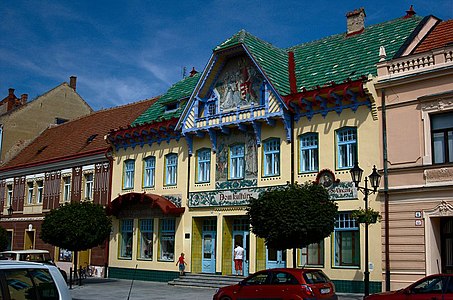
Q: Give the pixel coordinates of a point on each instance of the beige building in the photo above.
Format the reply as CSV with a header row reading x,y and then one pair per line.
x,y
416,111
22,121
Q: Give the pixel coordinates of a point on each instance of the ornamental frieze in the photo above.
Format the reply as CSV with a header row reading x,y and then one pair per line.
x,y
439,175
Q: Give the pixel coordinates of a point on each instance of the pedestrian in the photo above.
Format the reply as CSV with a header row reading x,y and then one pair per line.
x,y
238,257
182,264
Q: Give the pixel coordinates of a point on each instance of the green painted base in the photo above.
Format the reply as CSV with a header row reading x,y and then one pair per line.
x,y
346,286
138,274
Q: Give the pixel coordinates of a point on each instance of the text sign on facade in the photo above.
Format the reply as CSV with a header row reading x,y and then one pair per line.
x,y
343,191
239,196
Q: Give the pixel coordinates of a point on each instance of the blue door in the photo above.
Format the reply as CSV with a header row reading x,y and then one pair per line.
x,y
242,238
208,261
275,258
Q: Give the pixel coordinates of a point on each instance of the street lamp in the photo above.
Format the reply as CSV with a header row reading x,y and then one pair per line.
x,y
356,174
10,210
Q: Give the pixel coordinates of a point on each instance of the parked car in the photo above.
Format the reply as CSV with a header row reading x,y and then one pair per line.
x,y
33,255
282,283
433,287
28,280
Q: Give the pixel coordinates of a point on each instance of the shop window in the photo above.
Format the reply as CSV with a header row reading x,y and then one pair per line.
x,y
66,189
128,174
308,153
271,153
30,190
312,255
442,138
64,255
346,147
127,230
40,188
146,239
149,171
346,241
203,165
89,183
171,168
167,239
237,161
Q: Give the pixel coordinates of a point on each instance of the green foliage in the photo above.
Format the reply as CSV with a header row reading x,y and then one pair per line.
x,y
76,226
293,217
3,239
369,215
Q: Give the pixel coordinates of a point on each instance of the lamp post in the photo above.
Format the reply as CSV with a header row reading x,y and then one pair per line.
x,y
374,177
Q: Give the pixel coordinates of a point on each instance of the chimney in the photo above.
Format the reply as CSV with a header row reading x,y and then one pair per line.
x,y
10,92
73,82
23,98
355,21
193,72
410,13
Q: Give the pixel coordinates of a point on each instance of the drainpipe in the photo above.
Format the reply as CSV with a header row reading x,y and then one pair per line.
x,y
292,176
109,156
386,194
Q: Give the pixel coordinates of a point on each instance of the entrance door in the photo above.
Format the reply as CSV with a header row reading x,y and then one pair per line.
x,y
446,225
29,242
208,244
275,258
242,238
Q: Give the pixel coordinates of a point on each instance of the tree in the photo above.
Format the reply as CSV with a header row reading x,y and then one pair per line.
x,y
293,217
3,239
76,227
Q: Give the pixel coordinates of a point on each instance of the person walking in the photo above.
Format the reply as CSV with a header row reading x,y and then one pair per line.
x,y
182,264
238,258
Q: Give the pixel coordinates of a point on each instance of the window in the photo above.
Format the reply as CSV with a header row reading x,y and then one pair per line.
x,y
313,254
150,171
9,195
212,108
204,165
146,239
347,147
308,153
9,238
346,241
40,191
171,165
1,138
66,189
30,192
127,228
167,239
28,284
128,176
171,107
89,186
271,149
442,138
237,163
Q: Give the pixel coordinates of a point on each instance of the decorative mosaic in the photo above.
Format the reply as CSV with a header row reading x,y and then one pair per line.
x,y
175,199
235,184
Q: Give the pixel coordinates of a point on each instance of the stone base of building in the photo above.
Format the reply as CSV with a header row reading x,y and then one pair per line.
x,y
141,274
356,287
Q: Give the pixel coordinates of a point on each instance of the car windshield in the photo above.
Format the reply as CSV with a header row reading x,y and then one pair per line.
x,y
36,257
313,277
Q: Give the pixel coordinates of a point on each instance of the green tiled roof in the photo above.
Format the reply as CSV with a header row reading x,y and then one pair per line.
x,y
272,60
339,57
180,91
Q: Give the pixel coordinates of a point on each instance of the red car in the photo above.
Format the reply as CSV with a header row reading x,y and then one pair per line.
x,y
283,283
433,287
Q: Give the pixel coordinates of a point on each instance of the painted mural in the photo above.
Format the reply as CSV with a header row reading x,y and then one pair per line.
x,y
239,84
224,142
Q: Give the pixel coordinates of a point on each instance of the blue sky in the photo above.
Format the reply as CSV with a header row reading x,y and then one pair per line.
x,y
124,51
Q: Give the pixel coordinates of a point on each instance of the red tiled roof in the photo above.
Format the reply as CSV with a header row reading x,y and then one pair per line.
x,y
438,38
80,137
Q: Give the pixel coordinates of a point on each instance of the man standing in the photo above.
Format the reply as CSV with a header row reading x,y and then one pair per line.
x,y
238,257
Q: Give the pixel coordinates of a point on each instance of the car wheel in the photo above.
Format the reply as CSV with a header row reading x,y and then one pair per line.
x,y
225,298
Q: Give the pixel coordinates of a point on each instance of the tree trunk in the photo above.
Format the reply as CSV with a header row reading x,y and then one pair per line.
x,y
294,257
76,268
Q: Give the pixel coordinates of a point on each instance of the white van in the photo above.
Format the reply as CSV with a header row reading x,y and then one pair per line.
x,y
28,280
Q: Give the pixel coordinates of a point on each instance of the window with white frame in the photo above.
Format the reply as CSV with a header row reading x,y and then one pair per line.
x,y
1,138
308,153
203,165
313,254
237,161
9,195
171,168
346,147
146,239
126,239
128,174
167,239
66,189
346,241
149,172
442,137
30,190
40,188
89,183
271,157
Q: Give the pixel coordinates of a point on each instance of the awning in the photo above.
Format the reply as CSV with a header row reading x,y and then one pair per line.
x,y
150,200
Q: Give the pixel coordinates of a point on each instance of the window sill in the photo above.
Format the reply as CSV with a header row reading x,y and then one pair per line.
x,y
125,258
165,260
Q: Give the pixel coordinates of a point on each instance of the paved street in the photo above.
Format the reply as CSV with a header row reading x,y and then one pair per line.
x,y
99,288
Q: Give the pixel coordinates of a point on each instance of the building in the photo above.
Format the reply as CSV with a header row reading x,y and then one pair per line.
x,y
415,102
69,162
22,121
256,118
